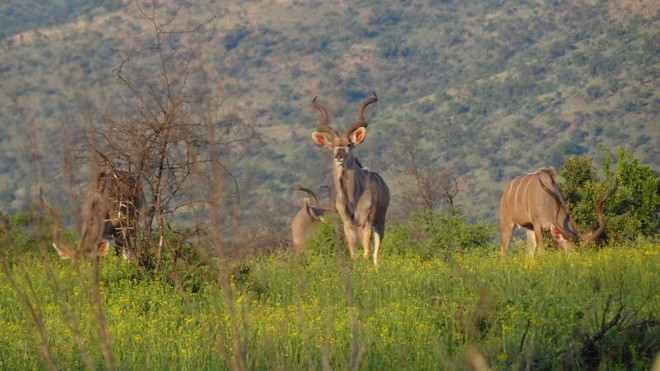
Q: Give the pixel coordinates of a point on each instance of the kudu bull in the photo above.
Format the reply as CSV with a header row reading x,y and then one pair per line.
x,y
110,210
307,219
362,197
533,201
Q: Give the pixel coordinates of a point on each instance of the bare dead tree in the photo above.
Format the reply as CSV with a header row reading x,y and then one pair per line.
x,y
179,143
424,186
163,137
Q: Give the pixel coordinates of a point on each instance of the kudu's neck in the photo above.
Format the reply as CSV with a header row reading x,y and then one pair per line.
x,y
349,182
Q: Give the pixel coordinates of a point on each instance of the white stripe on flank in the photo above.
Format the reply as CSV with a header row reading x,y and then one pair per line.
x,y
511,186
515,200
525,198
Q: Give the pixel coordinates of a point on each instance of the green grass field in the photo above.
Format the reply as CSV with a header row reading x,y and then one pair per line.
x,y
587,310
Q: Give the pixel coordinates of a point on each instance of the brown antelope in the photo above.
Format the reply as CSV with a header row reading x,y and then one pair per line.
x,y
362,197
110,209
533,201
307,219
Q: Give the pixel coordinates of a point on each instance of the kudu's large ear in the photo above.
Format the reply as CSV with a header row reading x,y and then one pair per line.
x,y
358,136
321,140
314,212
554,231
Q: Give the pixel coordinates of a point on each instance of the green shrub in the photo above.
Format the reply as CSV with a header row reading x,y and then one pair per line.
x,y
27,231
431,234
326,237
641,196
634,210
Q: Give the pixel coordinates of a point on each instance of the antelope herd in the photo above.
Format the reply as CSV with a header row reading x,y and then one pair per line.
x,y
361,198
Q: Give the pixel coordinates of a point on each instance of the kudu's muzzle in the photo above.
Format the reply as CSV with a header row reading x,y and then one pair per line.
x,y
341,153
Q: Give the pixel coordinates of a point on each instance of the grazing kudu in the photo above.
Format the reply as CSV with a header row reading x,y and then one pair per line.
x,y
362,197
110,209
533,201
306,220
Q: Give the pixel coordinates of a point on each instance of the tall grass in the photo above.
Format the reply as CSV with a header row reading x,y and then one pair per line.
x,y
594,308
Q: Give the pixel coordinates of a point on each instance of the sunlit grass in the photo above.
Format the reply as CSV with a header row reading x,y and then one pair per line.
x,y
409,313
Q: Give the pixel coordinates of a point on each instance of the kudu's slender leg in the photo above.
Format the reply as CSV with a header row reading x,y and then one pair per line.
x,y
531,242
538,231
377,239
366,239
351,238
379,233
505,232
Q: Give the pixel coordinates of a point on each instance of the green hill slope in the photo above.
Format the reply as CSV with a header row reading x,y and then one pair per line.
x,y
483,89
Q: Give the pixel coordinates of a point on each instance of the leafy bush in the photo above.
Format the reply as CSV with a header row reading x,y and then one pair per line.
x,y
432,234
25,231
634,210
327,235
642,199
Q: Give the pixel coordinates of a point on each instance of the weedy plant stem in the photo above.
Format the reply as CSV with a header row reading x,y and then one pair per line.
x,y
350,299
27,296
237,361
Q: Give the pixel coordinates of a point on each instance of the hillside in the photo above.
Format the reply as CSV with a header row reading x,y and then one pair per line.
x,y
484,90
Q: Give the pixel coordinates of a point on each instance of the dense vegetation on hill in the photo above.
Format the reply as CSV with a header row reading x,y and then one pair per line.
x,y
17,16
484,90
